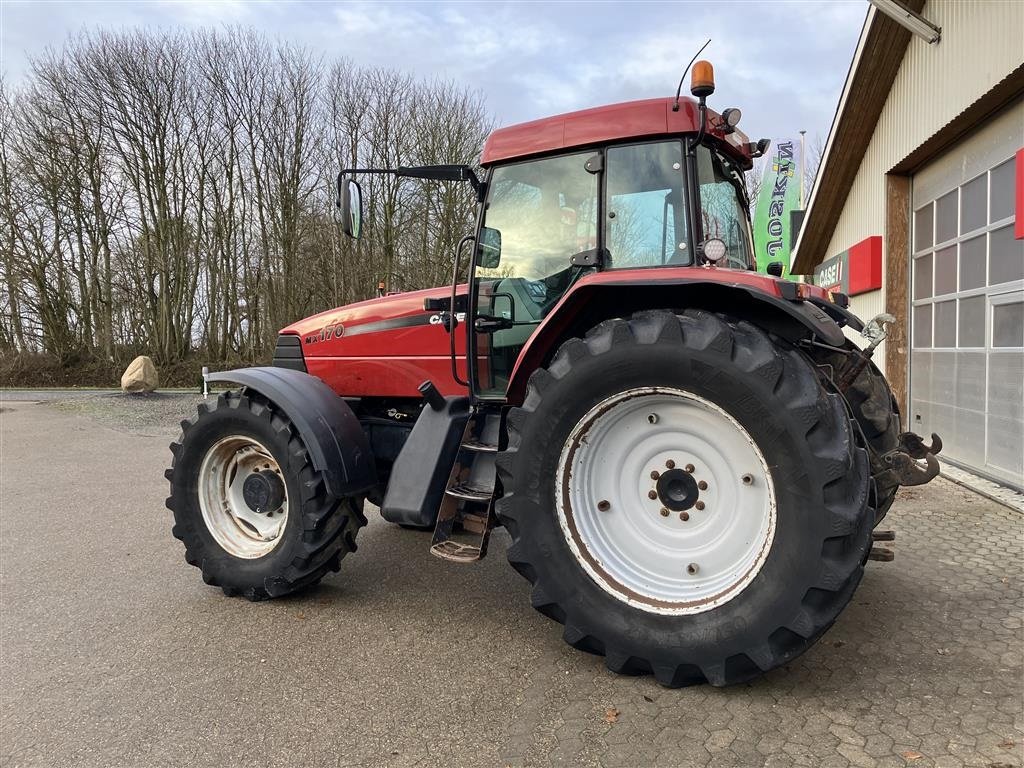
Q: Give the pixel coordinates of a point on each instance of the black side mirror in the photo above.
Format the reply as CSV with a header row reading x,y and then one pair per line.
x,y
351,202
489,248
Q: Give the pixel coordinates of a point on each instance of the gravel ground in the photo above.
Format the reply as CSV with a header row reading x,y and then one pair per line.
x,y
157,413
114,653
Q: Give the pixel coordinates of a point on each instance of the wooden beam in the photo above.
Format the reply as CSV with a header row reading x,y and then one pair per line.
x,y
897,286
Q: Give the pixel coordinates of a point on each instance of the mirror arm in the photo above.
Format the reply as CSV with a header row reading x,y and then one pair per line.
x,y
435,172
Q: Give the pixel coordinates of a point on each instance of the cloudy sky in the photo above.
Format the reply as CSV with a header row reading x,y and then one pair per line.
x,y
782,62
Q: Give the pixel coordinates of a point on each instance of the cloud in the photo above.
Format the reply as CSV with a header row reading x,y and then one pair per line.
x,y
783,63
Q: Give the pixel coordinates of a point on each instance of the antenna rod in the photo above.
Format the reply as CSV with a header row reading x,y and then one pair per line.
x,y
679,90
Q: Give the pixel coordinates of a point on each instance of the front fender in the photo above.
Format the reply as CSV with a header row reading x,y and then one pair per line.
x,y
330,430
744,295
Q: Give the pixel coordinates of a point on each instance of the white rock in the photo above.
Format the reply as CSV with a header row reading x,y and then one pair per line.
x,y
140,376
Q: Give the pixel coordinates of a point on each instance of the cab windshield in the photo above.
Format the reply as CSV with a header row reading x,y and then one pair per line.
x,y
723,201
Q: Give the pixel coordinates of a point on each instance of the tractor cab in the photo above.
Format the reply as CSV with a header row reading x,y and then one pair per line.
x,y
548,222
648,184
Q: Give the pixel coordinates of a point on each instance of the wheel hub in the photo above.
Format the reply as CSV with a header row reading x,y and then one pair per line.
x,y
243,497
677,490
665,500
263,491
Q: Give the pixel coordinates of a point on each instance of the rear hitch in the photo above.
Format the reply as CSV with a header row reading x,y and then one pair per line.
x,y
905,462
914,445
907,469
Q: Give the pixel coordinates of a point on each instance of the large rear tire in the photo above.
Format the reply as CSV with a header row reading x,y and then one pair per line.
x,y
654,415
253,514
877,414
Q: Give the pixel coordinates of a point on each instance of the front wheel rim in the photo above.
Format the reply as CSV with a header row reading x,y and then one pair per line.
x,y
240,529
665,500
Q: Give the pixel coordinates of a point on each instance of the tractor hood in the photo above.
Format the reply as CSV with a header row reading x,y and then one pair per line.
x,y
381,347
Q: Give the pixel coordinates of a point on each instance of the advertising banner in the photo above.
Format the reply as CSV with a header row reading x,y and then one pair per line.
x,y
778,197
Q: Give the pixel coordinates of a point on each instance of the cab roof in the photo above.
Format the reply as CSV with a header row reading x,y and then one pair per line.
x,y
647,118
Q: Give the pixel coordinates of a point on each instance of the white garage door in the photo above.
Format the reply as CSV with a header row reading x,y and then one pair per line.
x,y
967,297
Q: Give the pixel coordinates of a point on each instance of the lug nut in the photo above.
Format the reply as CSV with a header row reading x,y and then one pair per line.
x,y
652,418
652,495
748,479
655,475
692,568
690,468
664,512
604,505
702,485
699,505
670,464
684,516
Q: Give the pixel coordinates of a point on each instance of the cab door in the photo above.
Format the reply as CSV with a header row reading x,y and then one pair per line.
x,y
537,216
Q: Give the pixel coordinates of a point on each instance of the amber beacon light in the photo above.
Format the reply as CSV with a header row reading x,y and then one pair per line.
x,y
702,81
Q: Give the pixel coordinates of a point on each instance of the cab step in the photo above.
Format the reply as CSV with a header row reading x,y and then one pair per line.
x,y
475,445
470,493
456,552
466,514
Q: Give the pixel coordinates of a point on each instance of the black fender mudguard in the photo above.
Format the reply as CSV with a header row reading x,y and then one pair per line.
x,y
337,445
619,295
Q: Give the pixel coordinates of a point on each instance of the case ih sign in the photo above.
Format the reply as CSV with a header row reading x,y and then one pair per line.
x,y
857,270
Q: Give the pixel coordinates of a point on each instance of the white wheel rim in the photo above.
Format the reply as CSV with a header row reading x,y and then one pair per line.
x,y
238,529
620,536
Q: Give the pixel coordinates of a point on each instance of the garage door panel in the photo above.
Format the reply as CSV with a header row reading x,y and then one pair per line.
x,y
943,421
945,324
921,416
973,204
1002,196
970,381
1006,257
971,322
1004,446
945,218
1006,385
970,432
921,364
943,376
945,270
973,270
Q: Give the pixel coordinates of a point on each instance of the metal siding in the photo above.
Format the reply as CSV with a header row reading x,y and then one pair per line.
x,y
981,44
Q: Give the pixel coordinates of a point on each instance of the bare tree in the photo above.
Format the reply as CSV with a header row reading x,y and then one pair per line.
x,y
173,192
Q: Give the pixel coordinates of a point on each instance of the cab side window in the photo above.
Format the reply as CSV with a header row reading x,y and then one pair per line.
x,y
645,221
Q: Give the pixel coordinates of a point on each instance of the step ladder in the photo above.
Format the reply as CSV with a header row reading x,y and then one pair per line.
x,y
466,516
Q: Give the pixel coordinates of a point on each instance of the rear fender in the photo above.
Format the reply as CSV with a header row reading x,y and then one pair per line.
x,y
337,445
591,302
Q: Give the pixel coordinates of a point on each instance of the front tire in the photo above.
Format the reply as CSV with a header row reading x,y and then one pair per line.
x,y
786,525
254,515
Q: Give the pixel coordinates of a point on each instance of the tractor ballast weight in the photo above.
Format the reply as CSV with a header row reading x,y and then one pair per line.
x,y
689,457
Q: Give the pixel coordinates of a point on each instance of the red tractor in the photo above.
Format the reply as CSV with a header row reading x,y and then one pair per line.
x,y
690,457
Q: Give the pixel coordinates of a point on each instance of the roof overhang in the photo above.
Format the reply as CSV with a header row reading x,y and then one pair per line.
x,y
876,62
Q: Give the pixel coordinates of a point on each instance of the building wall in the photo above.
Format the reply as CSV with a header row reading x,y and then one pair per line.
x,y
981,44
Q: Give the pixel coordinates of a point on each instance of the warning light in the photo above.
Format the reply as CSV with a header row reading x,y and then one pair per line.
x,y
702,81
